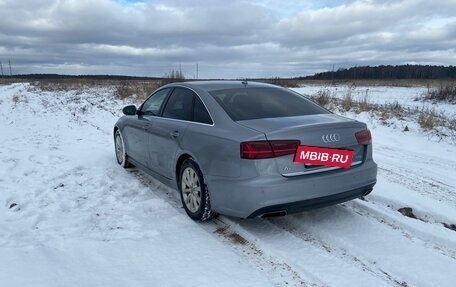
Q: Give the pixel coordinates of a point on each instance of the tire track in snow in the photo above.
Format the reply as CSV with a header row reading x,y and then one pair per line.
x,y
419,183
339,252
351,236
243,238
290,228
264,261
400,166
391,217
410,156
246,238
310,254
268,258
277,270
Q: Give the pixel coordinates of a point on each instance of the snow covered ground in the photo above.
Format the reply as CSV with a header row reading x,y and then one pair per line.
x,y
70,216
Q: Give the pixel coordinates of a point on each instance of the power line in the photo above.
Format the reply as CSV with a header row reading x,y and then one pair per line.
x,y
9,62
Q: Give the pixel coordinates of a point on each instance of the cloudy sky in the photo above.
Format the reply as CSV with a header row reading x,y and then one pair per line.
x,y
227,39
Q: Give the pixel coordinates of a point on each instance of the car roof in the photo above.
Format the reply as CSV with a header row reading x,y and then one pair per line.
x,y
222,84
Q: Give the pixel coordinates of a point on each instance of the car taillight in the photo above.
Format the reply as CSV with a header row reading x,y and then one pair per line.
x,y
268,149
364,137
284,147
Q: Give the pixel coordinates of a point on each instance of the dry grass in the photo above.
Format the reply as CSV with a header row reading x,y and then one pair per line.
x,y
347,101
9,80
142,89
446,92
288,83
138,89
395,109
19,98
16,99
323,98
61,85
378,82
364,104
122,88
428,119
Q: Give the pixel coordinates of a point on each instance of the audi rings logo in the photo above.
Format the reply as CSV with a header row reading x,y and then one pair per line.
x,y
330,138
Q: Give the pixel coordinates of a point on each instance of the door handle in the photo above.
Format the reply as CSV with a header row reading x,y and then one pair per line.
x,y
146,127
174,134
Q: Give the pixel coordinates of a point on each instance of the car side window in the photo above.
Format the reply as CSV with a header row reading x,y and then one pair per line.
x,y
151,106
200,113
180,105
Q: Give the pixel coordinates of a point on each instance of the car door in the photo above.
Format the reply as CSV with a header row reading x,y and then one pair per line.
x,y
167,132
137,130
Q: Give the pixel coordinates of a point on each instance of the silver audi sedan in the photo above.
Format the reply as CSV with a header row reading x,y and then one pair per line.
x,y
229,148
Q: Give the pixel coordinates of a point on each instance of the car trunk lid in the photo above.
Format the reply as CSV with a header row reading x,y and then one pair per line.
x,y
322,130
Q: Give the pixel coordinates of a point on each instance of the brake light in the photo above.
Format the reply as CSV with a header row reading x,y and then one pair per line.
x,y
284,147
268,149
364,137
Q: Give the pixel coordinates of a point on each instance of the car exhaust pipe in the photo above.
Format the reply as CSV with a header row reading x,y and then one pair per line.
x,y
274,214
366,192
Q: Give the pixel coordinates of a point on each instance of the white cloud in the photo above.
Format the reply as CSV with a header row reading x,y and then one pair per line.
x,y
227,38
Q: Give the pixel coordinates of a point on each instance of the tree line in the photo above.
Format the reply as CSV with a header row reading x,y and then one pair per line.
x,y
389,72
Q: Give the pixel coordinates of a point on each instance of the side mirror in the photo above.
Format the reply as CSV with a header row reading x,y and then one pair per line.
x,y
129,110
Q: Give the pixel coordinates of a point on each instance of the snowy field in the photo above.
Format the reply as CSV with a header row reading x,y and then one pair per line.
x,y
407,97
70,216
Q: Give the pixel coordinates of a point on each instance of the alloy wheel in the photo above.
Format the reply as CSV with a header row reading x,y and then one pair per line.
x,y
191,189
119,149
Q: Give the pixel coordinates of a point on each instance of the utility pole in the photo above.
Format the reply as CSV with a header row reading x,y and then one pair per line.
x,y
180,72
1,67
9,62
197,71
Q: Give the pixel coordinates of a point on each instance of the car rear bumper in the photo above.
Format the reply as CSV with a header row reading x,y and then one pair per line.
x,y
313,203
257,196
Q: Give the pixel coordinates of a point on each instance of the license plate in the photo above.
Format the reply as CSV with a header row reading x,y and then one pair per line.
x,y
313,155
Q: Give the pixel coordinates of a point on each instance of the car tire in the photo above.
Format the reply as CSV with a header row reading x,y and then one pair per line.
x,y
121,155
194,193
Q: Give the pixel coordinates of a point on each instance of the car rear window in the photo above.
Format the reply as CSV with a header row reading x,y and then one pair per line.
x,y
257,103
